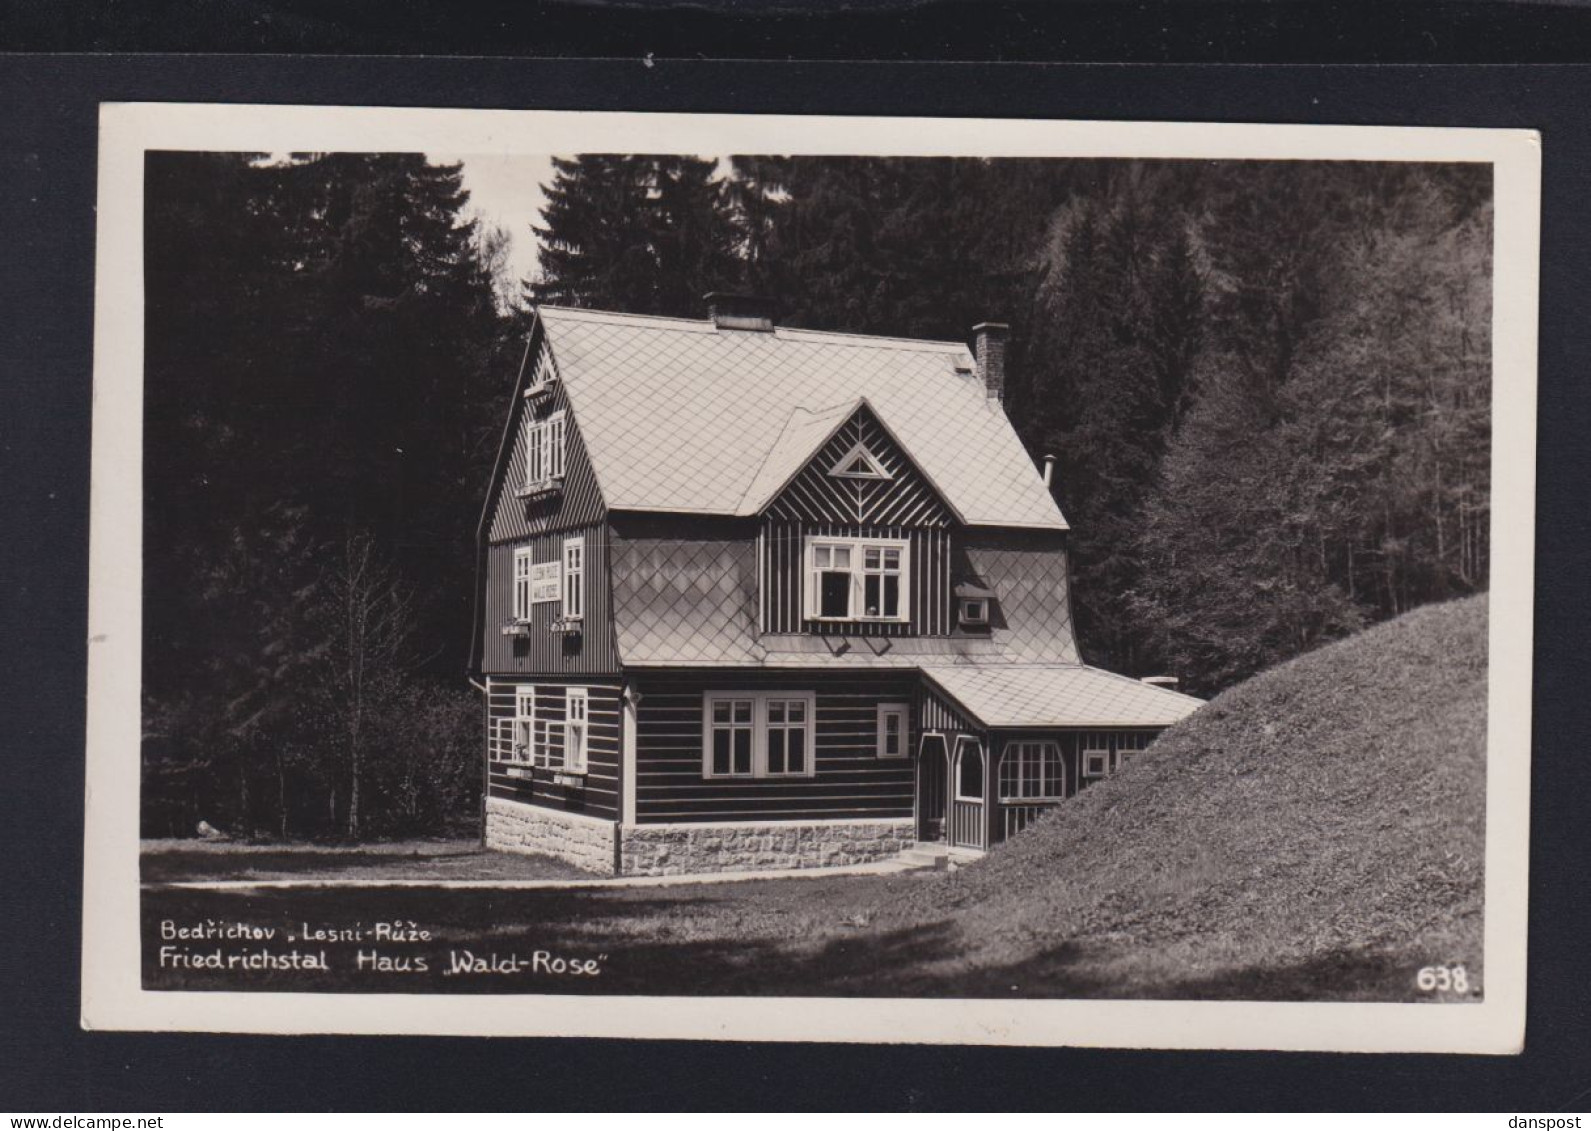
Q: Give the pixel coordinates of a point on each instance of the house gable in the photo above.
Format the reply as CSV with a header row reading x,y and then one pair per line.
x,y
861,475
580,501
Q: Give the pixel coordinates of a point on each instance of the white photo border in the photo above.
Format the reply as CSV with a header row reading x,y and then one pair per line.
x,y
112,994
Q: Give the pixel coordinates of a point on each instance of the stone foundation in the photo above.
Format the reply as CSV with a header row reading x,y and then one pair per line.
x,y
668,850
585,842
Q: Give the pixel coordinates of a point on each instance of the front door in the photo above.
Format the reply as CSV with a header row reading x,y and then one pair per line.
x,y
933,776
968,783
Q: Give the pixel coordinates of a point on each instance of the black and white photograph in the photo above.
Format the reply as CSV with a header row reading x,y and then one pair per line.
x,y
1011,582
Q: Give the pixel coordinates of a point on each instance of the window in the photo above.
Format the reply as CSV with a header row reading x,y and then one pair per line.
x,y
1096,757
787,746
544,450
524,748
731,736
856,579
975,610
969,771
1129,746
1032,771
892,730
522,570
859,463
574,578
576,703
759,734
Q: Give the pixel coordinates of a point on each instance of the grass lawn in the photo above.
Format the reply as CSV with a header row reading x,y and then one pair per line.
x,y
1315,833
172,861
819,936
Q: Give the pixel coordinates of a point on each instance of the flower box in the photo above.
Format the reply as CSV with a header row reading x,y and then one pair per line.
x,y
541,489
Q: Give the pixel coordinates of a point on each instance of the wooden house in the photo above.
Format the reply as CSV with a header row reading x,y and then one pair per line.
x,y
755,597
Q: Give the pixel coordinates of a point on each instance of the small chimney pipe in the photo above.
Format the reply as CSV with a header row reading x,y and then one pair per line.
x,y
988,347
1049,468
740,312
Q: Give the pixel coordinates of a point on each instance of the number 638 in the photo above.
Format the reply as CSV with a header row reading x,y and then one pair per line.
x,y
1443,978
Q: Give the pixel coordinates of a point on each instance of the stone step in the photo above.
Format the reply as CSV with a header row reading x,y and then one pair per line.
x,y
925,858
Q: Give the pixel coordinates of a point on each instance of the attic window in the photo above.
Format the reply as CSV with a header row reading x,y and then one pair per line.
x,y
859,463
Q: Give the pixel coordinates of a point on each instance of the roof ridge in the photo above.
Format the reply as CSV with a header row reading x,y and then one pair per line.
x,y
881,341
673,322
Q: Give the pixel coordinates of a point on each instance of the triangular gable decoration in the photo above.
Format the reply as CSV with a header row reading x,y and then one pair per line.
x,y
859,463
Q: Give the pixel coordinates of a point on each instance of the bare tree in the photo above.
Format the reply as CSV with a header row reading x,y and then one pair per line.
x,y
367,614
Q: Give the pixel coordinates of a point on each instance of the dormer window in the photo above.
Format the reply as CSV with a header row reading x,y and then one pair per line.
x,y
857,579
859,463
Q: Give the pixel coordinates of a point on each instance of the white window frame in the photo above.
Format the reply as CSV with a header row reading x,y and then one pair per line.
x,y
902,712
1140,741
1089,750
875,470
576,729
983,614
759,732
857,548
1048,790
546,456
524,561
522,743
962,746
574,579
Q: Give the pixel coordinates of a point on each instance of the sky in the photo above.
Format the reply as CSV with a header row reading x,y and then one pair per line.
x,y
505,190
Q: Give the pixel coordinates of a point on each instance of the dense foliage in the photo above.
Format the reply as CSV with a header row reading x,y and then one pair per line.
x,y
322,377
1267,385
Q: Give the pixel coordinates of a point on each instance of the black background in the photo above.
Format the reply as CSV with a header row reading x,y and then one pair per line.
x,y
48,114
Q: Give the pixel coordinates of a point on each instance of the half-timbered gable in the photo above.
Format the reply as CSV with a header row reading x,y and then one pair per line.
x,y
860,476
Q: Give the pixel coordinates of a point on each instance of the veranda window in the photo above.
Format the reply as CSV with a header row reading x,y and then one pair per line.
x,y
1032,771
1095,757
1129,746
857,579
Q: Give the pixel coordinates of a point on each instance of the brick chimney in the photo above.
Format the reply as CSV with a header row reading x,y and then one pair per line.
x,y
988,347
741,312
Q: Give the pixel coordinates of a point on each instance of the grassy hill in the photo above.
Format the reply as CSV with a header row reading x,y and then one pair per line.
x,y
1314,832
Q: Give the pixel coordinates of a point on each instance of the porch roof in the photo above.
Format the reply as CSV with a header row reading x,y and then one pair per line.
x,y
1039,696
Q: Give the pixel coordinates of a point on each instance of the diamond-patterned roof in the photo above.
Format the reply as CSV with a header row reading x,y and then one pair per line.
x,y
680,415
1058,695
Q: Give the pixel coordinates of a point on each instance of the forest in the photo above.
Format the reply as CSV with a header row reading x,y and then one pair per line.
x,y
1267,386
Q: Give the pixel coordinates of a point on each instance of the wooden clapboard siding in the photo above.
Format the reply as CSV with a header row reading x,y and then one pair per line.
x,y
543,652
850,781
598,796
782,571
907,498
580,504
